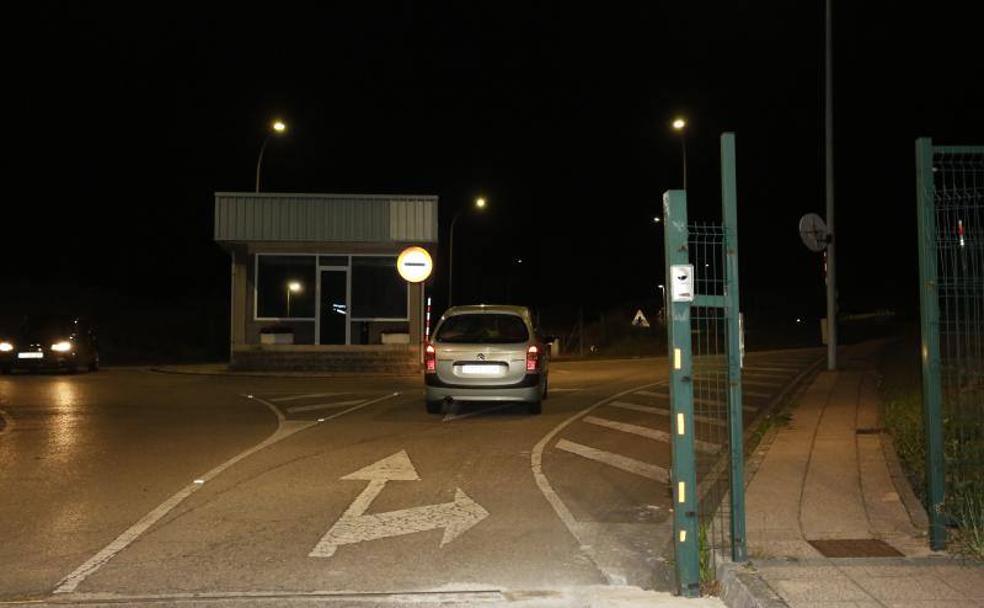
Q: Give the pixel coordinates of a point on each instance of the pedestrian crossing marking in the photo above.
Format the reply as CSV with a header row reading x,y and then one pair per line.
x,y
662,411
645,431
623,463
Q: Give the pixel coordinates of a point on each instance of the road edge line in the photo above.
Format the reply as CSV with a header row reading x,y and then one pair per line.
x,y
284,430
536,465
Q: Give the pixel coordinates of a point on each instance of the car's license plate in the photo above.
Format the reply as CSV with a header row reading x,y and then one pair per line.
x,y
482,370
30,355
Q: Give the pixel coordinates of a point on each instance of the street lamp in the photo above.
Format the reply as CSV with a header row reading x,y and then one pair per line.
x,y
278,127
479,204
292,287
680,125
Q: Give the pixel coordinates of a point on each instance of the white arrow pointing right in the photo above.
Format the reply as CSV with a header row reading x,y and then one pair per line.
x,y
354,526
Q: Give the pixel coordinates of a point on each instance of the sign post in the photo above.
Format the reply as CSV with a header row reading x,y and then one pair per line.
x,y
415,266
678,323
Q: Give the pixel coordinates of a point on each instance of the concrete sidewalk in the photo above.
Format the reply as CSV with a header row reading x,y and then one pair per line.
x,y
829,522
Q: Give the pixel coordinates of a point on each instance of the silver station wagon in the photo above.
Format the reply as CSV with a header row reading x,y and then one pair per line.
x,y
486,353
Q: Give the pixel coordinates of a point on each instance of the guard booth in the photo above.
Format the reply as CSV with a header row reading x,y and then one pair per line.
x,y
314,279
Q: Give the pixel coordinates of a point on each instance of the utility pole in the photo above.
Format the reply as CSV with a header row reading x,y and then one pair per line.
x,y
829,150
580,331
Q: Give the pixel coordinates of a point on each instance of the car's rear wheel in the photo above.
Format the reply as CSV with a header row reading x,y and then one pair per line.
x,y
535,408
435,407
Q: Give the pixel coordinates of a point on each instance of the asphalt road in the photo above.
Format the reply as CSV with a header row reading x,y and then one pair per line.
x,y
130,484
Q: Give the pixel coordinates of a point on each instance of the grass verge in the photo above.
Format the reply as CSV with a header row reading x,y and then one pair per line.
x,y
902,416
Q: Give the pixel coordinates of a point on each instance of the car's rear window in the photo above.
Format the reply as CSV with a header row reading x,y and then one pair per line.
x,y
50,324
483,329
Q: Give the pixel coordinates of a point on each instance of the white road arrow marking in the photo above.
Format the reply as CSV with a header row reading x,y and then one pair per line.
x,y
354,526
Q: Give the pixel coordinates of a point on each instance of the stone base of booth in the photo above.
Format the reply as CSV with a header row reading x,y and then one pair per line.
x,y
376,359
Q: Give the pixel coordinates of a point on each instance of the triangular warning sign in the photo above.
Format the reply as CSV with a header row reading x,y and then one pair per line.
x,y
640,320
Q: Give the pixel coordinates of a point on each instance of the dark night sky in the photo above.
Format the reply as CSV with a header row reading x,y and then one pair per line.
x,y
127,119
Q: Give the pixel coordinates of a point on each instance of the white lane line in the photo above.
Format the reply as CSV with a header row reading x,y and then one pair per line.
x,y
746,373
310,396
747,382
485,410
565,515
744,381
285,428
662,411
633,429
8,422
644,431
624,463
322,406
700,400
758,394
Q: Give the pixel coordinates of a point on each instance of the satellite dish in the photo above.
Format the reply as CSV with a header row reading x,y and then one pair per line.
x,y
813,231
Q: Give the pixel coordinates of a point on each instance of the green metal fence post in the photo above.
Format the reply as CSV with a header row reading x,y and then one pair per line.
x,y
678,323
930,329
729,202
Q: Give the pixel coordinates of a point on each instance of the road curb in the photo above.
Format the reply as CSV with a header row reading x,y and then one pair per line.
x,y
912,504
741,587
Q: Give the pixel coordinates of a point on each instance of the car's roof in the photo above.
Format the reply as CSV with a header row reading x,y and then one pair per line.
x,y
521,311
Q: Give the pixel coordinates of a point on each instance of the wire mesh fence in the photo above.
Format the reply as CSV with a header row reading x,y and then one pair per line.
x,y
706,243
951,222
959,201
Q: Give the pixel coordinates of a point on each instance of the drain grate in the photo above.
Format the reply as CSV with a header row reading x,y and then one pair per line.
x,y
867,431
855,547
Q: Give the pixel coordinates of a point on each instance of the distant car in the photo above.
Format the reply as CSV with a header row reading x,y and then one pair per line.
x,y
50,342
486,353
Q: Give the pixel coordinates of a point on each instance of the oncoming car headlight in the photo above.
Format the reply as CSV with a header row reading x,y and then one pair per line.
x,y
6,347
62,347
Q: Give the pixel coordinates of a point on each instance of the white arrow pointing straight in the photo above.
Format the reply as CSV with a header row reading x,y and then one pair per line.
x,y
354,526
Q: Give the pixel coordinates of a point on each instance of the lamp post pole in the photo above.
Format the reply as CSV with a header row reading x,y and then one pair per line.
x,y
829,158
680,125
451,261
295,287
278,127
479,204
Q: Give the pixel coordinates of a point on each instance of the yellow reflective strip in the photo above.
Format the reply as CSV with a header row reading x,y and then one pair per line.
x,y
683,536
677,359
680,428
682,491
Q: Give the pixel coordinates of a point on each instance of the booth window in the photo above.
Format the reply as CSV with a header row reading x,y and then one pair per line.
x,y
284,281
378,291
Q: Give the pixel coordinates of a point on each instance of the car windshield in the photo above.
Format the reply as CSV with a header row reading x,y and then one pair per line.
x,y
483,329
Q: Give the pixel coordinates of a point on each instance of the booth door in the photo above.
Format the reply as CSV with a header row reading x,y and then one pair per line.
x,y
334,311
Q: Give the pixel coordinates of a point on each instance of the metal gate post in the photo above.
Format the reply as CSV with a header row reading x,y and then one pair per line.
x,y
729,203
684,481
930,330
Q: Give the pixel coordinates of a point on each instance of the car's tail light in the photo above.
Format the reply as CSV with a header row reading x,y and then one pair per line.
x,y
430,360
532,359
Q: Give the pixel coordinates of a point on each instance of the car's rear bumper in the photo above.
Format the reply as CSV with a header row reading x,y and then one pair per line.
x,y
529,389
49,361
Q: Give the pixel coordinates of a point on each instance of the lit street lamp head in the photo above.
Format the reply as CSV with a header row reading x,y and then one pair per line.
x,y
294,287
279,126
480,203
679,124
